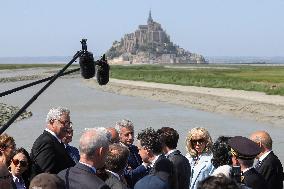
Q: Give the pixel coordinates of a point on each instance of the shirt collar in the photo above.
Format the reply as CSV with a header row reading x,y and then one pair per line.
x,y
93,168
17,179
53,134
154,160
113,173
245,170
264,155
169,152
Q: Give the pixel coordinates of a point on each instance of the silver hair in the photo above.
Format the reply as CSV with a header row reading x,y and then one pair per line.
x,y
55,113
124,123
93,139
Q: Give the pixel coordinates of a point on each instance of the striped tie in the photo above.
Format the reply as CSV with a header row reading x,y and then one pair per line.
x,y
258,164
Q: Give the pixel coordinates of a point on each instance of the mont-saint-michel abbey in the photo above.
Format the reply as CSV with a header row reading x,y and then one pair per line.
x,y
150,44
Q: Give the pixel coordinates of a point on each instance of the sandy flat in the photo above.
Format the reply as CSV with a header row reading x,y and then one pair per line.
x,y
252,105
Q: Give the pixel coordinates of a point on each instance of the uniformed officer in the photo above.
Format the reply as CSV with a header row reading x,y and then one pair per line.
x,y
243,152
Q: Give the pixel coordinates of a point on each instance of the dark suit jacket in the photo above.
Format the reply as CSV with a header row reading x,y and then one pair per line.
x,y
73,153
134,159
159,176
254,180
164,165
49,156
181,170
114,183
132,176
162,161
135,170
152,182
82,177
272,171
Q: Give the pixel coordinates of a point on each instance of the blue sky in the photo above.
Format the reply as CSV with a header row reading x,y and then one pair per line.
x,y
207,27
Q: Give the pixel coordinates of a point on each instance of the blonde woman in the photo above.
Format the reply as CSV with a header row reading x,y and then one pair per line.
x,y
199,145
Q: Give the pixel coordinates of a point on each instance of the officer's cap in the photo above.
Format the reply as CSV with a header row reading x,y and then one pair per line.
x,y
244,148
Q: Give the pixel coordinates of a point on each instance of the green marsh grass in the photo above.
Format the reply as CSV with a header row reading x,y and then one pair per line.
x,y
265,78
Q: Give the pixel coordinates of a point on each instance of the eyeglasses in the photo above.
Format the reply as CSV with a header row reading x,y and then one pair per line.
x,y
17,162
65,123
6,177
199,141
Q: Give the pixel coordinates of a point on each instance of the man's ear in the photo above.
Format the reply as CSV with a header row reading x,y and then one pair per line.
x,y
101,151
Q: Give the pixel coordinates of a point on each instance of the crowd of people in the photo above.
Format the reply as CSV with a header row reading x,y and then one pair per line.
x,y
112,158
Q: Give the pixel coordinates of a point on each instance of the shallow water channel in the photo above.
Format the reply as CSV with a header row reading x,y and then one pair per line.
x,y
91,108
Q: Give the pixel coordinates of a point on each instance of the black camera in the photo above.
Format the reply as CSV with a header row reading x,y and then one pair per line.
x,y
90,68
236,174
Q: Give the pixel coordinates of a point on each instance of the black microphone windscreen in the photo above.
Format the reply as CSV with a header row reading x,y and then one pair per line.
x,y
87,65
102,72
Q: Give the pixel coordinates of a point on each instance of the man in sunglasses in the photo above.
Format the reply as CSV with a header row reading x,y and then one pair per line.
x,y
48,153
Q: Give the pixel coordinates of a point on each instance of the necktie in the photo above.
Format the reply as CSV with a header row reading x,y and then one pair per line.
x,y
258,164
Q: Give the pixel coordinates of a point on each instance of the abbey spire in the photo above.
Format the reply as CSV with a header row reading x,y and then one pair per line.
x,y
150,19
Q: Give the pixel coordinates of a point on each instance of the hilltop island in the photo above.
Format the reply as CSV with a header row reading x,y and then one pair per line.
x,y
150,44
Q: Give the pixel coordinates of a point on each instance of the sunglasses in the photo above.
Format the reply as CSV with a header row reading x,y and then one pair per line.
x,y
17,162
199,141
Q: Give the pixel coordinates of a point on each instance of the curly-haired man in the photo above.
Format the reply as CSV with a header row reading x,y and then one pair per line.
x,y
150,150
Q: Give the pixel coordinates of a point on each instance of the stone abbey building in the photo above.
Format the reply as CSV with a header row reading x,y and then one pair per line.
x,y
150,44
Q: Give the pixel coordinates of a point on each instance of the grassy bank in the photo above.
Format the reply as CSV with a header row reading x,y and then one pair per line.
x,y
265,78
24,66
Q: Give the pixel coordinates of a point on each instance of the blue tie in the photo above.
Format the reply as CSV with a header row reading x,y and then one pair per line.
x,y
258,164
